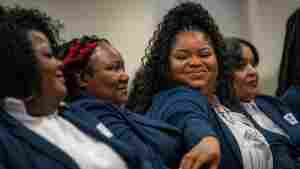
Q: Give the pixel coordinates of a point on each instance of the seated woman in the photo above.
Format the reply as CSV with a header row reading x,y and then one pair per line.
x,y
289,76
180,77
97,83
241,82
33,135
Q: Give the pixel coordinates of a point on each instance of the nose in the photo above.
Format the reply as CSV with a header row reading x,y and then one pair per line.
x,y
58,63
195,60
124,77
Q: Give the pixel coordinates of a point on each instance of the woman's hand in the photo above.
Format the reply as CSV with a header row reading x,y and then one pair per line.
x,y
206,153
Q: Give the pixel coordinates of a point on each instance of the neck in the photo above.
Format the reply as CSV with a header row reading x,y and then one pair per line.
x,y
211,98
41,106
210,94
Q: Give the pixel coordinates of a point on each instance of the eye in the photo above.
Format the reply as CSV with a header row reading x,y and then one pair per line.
x,y
204,52
118,66
109,67
181,55
240,66
115,67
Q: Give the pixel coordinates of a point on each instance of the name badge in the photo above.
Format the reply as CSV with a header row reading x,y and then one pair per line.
x,y
291,119
104,130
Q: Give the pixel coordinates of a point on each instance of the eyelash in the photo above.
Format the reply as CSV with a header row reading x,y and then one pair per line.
x,y
115,67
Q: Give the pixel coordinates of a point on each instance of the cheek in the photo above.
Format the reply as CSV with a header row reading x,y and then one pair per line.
x,y
48,77
238,82
176,70
102,84
213,68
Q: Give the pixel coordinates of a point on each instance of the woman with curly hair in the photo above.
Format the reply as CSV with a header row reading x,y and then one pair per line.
x,y
289,76
33,134
239,92
184,51
180,75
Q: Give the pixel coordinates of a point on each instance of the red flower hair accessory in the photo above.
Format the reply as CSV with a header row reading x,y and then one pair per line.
x,y
78,53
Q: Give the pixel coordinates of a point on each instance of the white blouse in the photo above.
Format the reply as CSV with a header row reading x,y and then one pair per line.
x,y
86,151
254,148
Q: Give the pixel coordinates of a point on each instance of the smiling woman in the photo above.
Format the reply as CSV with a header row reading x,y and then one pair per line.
x,y
269,115
97,81
99,71
109,81
53,82
193,61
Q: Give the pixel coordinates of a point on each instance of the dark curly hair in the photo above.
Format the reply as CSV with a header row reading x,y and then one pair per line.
x,y
19,67
34,19
79,65
233,60
290,62
188,16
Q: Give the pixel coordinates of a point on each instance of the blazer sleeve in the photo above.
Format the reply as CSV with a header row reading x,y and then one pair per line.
x,y
186,109
111,117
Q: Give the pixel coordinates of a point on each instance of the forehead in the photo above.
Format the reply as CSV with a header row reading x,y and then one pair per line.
x,y
191,39
247,53
106,53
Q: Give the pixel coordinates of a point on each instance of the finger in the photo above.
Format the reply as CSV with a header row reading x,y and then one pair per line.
x,y
187,162
215,164
201,161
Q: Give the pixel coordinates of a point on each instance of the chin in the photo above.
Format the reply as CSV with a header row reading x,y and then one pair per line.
x,y
62,92
249,97
122,101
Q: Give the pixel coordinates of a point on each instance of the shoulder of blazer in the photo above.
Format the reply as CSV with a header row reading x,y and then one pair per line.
x,y
272,101
179,95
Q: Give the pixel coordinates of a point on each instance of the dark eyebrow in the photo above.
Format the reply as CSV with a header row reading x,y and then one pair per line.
x,y
182,50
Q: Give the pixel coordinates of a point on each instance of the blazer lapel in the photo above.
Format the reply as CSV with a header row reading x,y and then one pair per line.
x,y
273,111
39,142
226,136
121,148
81,123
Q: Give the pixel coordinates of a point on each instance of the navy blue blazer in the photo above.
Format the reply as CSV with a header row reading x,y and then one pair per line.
x,y
20,148
281,114
155,140
292,98
190,111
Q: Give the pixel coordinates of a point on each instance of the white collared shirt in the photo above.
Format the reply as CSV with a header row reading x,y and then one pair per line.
x,y
86,151
262,119
254,148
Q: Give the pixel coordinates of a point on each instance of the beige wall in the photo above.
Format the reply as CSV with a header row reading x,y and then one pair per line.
x,y
129,24
263,23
